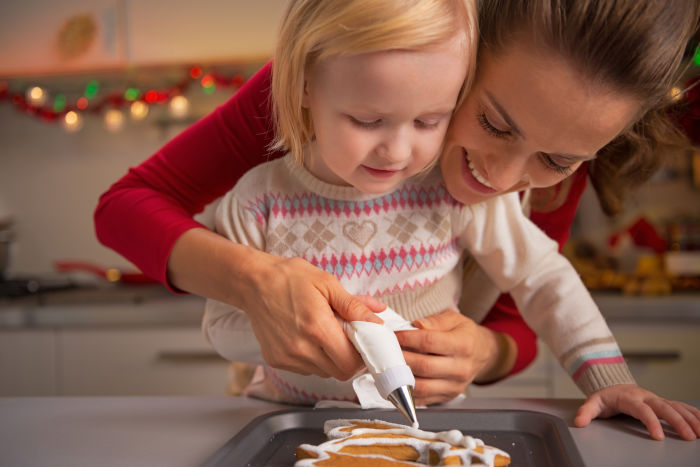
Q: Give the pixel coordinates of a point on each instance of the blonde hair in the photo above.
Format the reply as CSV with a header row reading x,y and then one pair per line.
x,y
315,30
633,46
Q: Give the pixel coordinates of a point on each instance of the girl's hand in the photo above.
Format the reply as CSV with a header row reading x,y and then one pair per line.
x,y
446,354
294,319
643,405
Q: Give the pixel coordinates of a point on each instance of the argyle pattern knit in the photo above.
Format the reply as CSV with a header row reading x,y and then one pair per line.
x,y
406,249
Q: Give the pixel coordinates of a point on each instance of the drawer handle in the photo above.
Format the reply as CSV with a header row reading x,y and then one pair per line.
x,y
189,356
666,356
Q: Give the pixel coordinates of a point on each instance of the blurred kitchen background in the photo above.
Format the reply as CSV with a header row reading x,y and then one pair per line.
x,y
91,88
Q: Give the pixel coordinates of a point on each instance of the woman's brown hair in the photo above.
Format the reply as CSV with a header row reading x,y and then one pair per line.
x,y
634,46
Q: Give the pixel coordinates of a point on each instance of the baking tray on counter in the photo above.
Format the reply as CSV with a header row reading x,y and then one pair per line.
x,y
531,438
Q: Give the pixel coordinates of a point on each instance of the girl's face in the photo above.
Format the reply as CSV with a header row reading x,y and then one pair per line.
x,y
381,117
529,121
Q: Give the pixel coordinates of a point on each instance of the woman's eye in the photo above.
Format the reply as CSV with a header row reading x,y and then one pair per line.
x,y
368,124
492,130
550,163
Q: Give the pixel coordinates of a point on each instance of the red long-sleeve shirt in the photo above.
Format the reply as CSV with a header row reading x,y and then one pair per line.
x,y
145,212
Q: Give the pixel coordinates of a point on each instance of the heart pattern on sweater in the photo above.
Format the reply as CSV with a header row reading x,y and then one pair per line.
x,y
360,234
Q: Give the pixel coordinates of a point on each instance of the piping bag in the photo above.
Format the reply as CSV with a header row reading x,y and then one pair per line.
x,y
381,352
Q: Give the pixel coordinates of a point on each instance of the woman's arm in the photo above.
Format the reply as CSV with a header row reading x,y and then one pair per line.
x,y
145,213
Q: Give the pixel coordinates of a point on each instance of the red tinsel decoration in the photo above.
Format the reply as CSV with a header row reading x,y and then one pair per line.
x,y
116,99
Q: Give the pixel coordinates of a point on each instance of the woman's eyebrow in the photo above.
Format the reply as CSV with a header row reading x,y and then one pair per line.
x,y
504,115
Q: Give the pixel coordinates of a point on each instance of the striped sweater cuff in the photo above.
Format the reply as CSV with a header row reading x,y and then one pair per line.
x,y
598,370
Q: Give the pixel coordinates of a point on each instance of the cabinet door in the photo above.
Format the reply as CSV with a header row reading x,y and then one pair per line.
x,y
27,363
160,361
182,31
663,358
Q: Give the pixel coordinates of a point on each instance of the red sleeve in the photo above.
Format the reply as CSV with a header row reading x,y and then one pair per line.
x,y
145,212
504,316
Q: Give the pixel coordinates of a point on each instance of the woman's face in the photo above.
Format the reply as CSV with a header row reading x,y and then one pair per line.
x,y
529,121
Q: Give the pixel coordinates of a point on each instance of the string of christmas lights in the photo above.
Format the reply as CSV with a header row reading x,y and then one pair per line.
x,y
35,101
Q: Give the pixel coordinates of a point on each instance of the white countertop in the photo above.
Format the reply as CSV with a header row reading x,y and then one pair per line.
x,y
186,431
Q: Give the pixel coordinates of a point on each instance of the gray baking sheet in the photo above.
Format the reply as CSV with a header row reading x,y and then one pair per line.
x,y
531,438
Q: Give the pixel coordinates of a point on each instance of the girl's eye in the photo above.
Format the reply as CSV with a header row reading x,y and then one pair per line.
x,y
427,124
492,130
365,124
552,165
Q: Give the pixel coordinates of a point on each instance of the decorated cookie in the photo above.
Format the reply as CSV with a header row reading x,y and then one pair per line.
x,y
379,443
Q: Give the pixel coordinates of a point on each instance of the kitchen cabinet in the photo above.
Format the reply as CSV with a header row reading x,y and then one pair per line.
x,y
138,340
102,362
163,361
27,363
663,357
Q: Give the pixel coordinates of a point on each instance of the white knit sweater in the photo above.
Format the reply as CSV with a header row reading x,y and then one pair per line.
x,y
405,248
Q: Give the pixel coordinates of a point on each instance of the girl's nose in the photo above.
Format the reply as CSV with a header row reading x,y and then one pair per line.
x,y
396,146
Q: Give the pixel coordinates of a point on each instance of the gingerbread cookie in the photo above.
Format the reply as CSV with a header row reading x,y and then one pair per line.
x,y
379,443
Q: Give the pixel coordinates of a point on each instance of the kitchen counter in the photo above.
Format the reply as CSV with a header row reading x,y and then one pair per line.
x,y
102,306
186,431
153,305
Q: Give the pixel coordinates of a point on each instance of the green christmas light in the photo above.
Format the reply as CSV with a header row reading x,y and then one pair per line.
x,y
696,57
91,89
59,103
132,94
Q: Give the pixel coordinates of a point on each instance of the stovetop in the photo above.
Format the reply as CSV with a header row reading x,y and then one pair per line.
x,y
28,286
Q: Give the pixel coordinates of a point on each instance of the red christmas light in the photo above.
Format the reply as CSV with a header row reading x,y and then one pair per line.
x,y
151,96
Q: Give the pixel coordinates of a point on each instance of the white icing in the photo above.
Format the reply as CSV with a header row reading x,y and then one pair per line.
x,y
441,443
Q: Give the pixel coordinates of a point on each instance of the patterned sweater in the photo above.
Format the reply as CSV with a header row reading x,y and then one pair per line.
x,y
406,249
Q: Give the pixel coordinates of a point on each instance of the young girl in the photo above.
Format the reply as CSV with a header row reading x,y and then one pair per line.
x,y
358,126
363,93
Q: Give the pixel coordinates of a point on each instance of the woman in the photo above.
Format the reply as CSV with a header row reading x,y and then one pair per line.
x,y
147,214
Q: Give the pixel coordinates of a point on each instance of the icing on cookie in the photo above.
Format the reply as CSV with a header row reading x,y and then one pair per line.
x,y
383,443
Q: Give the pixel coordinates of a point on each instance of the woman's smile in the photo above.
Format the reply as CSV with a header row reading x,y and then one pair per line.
x,y
485,185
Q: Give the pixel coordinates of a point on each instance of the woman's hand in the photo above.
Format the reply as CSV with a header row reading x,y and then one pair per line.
x,y
292,305
643,405
294,319
447,353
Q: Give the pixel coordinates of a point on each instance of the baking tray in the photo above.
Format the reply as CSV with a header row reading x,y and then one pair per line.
x,y
531,438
